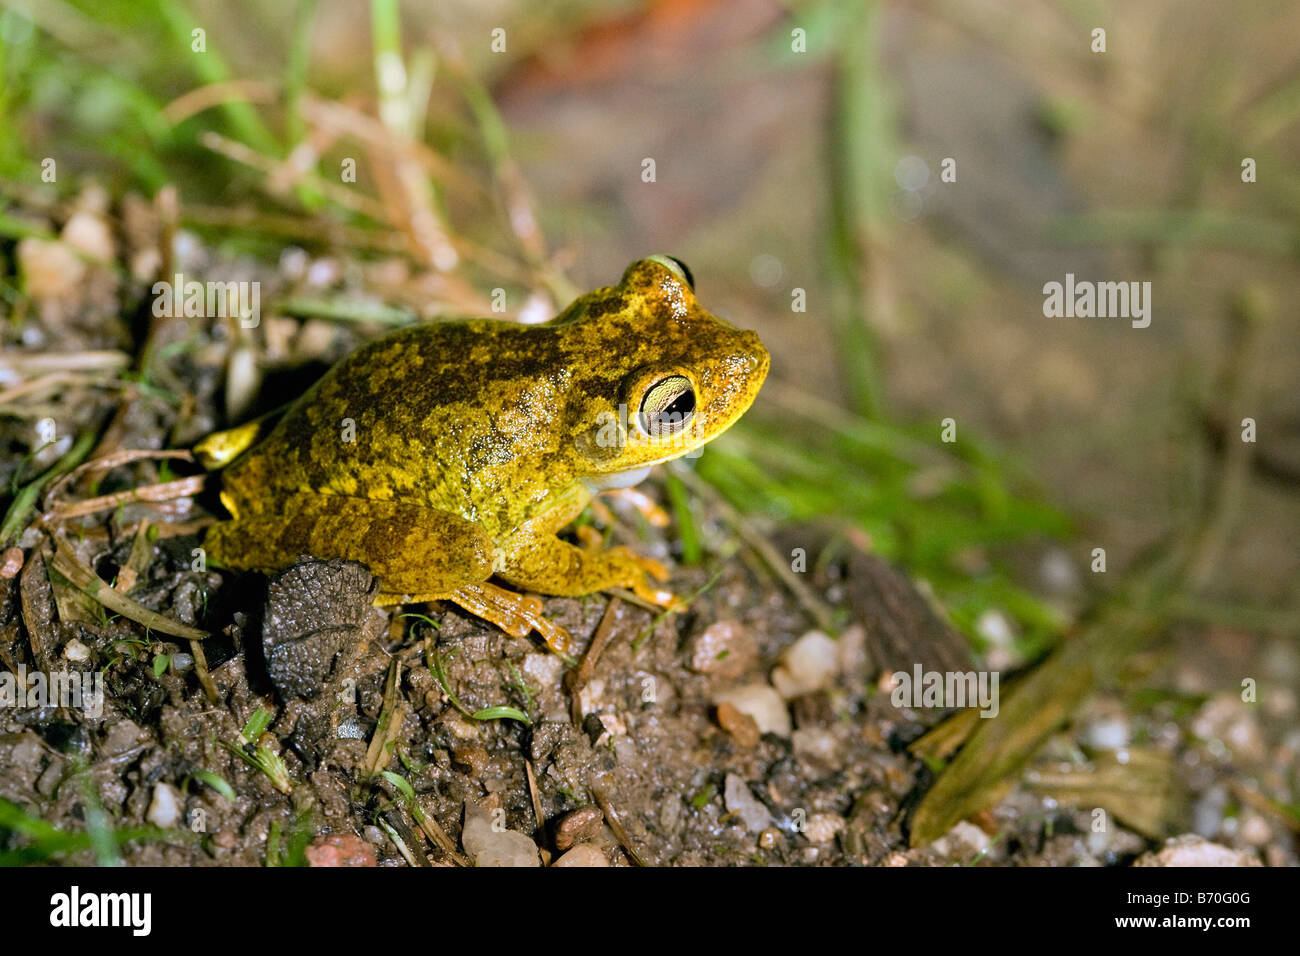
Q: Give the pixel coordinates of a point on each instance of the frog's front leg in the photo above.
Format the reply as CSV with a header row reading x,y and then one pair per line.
x,y
542,562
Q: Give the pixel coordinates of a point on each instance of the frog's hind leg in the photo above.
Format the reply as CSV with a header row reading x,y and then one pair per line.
x,y
412,549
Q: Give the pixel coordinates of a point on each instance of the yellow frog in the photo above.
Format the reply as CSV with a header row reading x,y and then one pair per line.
x,y
442,454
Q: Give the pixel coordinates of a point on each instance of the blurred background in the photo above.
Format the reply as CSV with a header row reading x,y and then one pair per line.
x,y
797,151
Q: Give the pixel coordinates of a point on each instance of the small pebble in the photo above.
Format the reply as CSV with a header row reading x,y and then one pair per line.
x,y
742,727
11,562
165,807
89,234
1255,830
50,270
724,649
761,702
488,846
76,651
823,827
816,744
578,826
543,670
808,665
293,263
584,854
1107,733
740,801
341,849
1227,719
968,835
352,729
324,272
473,756
1191,850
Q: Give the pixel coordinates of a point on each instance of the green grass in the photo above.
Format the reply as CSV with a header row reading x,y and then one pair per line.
x,y
27,839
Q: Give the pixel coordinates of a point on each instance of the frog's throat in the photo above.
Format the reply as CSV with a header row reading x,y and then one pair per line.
x,y
618,479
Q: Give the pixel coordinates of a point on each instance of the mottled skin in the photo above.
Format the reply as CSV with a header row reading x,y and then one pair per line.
x,y
475,441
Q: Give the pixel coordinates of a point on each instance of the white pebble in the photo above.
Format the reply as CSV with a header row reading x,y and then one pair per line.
x,y
543,670
761,702
1108,733
822,827
165,808
488,846
1191,850
745,805
807,665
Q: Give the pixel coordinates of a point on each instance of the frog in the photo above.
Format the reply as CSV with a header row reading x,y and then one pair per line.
x,y
446,454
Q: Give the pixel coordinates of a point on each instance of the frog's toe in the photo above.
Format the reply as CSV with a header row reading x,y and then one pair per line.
x,y
589,538
649,509
516,614
656,596
656,569
640,572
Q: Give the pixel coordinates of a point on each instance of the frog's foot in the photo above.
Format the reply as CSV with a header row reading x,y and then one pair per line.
x,y
544,563
654,515
516,614
643,589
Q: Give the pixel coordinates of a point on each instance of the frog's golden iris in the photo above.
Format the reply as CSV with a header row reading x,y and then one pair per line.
x,y
475,441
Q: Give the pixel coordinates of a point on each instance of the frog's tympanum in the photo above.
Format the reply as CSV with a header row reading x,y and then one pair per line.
x,y
442,454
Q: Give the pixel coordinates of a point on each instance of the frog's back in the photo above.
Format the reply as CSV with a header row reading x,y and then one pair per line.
x,y
437,414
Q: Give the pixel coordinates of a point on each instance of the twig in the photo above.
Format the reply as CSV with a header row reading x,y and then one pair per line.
x,y
80,575
616,824
389,725
163,491
1240,386
108,462
532,792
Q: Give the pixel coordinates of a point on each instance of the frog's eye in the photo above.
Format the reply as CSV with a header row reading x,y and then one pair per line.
x,y
667,406
678,268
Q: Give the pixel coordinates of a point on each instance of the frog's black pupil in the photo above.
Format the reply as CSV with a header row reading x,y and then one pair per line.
x,y
672,417
681,406
690,281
